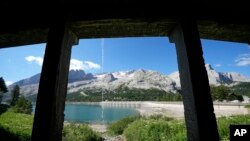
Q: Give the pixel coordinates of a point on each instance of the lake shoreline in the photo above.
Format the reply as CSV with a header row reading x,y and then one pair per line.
x,y
170,109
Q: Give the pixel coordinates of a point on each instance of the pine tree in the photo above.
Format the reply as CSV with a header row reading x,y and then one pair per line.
x,y
15,95
23,106
3,88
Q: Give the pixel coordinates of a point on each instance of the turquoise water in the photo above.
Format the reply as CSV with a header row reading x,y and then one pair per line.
x,y
93,113
90,113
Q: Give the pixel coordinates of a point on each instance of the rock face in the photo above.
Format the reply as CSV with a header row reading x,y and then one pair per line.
x,y
216,78
78,80
141,79
74,75
29,86
176,77
28,81
78,75
108,78
236,77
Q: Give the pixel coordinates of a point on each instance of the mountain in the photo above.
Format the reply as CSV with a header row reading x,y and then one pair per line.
x,y
236,77
79,81
28,81
74,75
176,77
29,86
139,79
78,75
216,78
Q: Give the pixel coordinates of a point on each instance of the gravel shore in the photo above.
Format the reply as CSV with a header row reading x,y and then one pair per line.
x,y
176,109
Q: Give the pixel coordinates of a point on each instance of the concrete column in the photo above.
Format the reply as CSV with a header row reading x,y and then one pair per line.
x,y
49,114
198,106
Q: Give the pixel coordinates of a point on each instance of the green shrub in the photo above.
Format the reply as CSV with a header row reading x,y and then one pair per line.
x,y
151,129
247,106
161,128
242,88
22,106
79,132
156,117
223,124
224,93
3,108
118,127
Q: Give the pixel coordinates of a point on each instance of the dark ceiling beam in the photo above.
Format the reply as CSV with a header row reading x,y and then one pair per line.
x,y
33,33
24,24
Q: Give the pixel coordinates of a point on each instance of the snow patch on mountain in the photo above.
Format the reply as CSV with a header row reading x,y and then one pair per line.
x,y
142,79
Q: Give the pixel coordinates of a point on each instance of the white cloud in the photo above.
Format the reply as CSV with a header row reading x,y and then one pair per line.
x,y
38,60
8,83
83,65
74,63
217,65
91,65
243,60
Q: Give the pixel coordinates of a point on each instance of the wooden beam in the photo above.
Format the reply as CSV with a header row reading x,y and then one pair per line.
x,y
198,106
49,114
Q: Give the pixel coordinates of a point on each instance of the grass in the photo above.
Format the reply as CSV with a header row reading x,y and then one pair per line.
x,y
18,127
223,124
15,126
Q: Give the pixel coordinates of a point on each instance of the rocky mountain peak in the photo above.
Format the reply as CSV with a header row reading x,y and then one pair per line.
x,y
74,75
108,77
209,67
141,79
215,78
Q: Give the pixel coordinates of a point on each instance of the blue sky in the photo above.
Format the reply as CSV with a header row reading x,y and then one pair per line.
x,y
120,54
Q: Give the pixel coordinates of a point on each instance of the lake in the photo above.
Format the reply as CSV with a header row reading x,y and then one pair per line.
x,y
92,113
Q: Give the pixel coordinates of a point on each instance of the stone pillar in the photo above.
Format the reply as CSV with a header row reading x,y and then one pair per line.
x,y
198,105
49,114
